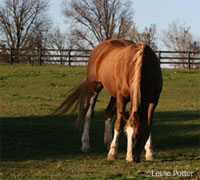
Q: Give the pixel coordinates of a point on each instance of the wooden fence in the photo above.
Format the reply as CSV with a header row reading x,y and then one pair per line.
x,y
80,57
183,59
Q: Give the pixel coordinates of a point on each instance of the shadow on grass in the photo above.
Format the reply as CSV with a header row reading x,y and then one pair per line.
x,y
37,138
179,129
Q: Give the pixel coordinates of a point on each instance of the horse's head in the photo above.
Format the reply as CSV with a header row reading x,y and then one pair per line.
x,y
137,128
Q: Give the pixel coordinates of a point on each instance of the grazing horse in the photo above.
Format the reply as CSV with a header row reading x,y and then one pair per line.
x,y
129,72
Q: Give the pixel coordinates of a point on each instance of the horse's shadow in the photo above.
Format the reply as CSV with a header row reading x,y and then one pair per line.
x,y
25,138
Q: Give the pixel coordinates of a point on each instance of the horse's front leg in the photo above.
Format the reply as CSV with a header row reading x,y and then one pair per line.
x,y
112,155
149,146
149,149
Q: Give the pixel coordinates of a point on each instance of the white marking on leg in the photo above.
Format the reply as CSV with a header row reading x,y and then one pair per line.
x,y
129,155
85,136
113,147
149,149
108,131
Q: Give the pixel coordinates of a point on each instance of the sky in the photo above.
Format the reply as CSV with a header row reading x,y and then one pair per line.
x,y
163,12
147,12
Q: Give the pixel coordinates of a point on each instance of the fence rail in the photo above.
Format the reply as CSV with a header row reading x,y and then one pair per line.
x,y
183,59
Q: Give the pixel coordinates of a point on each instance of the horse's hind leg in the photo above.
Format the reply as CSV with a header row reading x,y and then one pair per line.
x,y
110,112
149,145
92,97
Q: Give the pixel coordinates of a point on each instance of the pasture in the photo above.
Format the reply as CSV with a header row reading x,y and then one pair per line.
x,y
36,145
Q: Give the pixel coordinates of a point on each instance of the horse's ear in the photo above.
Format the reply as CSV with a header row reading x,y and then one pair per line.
x,y
124,116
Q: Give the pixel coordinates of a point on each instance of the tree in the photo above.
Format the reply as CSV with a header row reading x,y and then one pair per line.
x,y
21,21
58,41
179,38
148,36
93,21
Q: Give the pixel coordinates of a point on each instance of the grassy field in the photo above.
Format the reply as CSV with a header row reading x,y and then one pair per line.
x,y
35,145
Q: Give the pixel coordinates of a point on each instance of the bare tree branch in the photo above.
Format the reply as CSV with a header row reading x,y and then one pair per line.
x,y
97,20
148,36
178,37
21,19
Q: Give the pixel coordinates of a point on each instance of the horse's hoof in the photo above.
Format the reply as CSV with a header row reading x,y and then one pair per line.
x,y
111,157
129,160
150,158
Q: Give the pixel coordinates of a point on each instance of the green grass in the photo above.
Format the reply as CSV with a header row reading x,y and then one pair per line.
x,y
35,145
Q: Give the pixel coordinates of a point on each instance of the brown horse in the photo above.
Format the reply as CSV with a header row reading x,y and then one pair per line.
x,y
129,72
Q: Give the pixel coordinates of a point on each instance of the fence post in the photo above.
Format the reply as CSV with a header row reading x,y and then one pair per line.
x,y
69,57
40,56
159,56
189,63
11,56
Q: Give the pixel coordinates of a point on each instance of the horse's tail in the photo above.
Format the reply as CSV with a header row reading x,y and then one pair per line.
x,y
136,81
75,100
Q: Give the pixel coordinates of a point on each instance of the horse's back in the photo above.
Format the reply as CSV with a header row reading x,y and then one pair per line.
x,y
104,58
104,48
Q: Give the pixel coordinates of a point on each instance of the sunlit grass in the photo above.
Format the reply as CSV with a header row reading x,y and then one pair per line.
x,y
35,145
